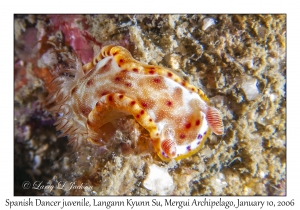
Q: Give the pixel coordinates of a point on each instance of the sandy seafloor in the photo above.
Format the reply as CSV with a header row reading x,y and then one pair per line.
x,y
239,61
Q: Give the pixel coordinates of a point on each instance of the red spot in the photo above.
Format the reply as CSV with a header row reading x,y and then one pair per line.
x,y
144,104
138,116
150,120
88,122
118,79
98,104
128,84
142,112
90,82
152,70
170,74
132,103
135,70
182,136
183,83
121,60
187,126
115,53
197,122
73,90
85,111
110,98
104,93
156,80
169,103
121,96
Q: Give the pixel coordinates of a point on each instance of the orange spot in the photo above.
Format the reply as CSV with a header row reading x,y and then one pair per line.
x,y
150,120
183,83
115,53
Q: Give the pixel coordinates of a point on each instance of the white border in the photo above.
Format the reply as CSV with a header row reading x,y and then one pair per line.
x,y
8,8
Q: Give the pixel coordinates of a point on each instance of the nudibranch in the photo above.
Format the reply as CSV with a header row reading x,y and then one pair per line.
x,y
176,114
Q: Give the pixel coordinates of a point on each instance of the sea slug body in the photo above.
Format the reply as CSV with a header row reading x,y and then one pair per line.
x,y
176,114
